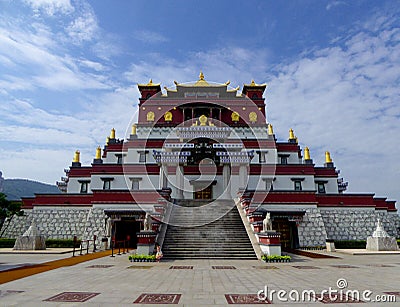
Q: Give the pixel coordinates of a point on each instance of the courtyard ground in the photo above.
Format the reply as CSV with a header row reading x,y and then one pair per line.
x,y
114,281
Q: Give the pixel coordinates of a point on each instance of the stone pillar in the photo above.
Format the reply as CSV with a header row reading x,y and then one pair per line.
x,y
179,182
226,174
270,242
243,176
145,242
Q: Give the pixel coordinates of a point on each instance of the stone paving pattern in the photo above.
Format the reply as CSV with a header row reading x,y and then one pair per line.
x,y
117,282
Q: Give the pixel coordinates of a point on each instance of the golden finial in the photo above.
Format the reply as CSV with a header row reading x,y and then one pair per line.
x,y
291,134
98,153
307,154
252,83
112,134
328,157
201,76
77,156
150,82
270,129
133,132
107,140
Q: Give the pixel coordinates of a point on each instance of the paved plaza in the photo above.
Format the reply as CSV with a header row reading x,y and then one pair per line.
x,y
115,281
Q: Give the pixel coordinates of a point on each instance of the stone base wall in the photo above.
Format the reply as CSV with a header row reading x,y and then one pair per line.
x,y
53,223
95,225
312,228
17,226
358,224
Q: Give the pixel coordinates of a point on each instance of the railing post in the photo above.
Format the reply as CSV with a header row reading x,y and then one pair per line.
x,y
112,246
81,246
94,243
119,248
74,243
87,246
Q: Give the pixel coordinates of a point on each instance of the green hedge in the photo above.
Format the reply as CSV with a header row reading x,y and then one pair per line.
x,y
51,243
62,243
350,244
7,243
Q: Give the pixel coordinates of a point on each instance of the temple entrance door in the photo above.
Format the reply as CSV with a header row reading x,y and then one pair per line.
x,y
127,227
204,194
288,230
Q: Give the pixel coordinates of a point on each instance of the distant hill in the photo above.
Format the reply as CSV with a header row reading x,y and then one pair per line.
x,y
17,188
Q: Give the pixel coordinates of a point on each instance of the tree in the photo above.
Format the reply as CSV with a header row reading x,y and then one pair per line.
x,y
7,211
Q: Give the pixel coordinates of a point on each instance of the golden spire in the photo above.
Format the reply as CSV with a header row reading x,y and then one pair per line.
x,y
112,134
76,156
201,76
307,154
133,132
291,134
270,129
252,83
150,82
328,157
98,153
107,140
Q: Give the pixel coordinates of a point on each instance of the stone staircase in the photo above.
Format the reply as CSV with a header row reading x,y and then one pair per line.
x,y
199,230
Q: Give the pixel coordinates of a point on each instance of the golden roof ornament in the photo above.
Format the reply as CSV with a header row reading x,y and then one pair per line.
x,y
133,132
76,156
98,153
291,134
112,134
270,129
201,76
307,154
328,158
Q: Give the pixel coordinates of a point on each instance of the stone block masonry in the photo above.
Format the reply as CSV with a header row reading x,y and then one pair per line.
x,y
358,224
312,230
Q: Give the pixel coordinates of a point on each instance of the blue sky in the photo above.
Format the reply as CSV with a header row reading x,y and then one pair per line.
x,y
69,71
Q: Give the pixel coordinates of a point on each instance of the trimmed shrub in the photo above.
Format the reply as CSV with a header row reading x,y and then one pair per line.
x,y
6,243
62,243
350,244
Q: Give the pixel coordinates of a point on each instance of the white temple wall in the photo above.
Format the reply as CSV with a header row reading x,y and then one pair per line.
x,y
330,187
284,182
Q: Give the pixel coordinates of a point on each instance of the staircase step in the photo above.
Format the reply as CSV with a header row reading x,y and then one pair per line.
x,y
222,238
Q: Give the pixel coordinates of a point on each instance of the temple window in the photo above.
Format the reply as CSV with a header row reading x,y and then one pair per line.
x,y
283,159
84,186
119,158
297,183
107,183
321,187
143,155
261,156
135,183
269,183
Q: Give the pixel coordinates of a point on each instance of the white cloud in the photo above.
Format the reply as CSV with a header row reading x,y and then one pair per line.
x,y
51,7
334,4
83,28
150,36
345,99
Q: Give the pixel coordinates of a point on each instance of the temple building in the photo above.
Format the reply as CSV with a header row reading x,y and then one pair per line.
x,y
203,154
